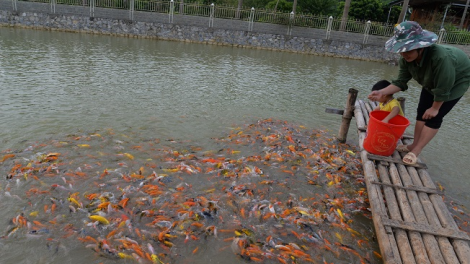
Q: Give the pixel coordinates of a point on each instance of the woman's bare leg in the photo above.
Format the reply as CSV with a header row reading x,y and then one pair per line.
x,y
423,135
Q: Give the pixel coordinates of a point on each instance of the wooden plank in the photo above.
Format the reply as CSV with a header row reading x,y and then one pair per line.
x,y
334,111
429,241
411,188
445,246
369,108
360,123
386,240
425,228
419,203
461,247
360,120
373,104
401,236
365,113
416,239
396,160
418,248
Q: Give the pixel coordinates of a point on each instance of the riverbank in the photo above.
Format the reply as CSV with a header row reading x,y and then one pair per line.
x,y
192,29
195,29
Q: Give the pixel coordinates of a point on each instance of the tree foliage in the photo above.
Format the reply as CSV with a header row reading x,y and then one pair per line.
x,y
318,7
365,9
256,3
373,10
282,6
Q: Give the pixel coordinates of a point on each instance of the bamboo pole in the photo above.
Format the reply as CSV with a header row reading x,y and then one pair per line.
x,y
386,240
369,108
347,115
372,105
407,212
364,110
406,252
434,254
360,124
461,247
387,244
414,205
444,243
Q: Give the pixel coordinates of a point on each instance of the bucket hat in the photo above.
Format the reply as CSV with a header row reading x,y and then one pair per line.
x,y
408,36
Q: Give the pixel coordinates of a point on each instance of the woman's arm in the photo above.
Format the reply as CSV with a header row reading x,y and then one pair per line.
x,y
433,111
391,89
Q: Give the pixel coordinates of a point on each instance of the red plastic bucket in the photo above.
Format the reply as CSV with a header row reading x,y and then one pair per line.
x,y
382,137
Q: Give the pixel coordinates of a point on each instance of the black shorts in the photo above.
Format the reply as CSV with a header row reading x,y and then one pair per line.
x,y
426,99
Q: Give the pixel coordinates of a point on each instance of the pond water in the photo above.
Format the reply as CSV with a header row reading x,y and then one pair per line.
x,y
100,101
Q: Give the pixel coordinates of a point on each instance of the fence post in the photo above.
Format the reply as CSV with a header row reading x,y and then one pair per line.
x,y
328,27
131,10
211,17
171,11
92,8
15,7
252,17
442,32
291,22
366,32
53,3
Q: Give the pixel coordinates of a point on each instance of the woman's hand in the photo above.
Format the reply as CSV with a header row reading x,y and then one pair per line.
x,y
430,113
375,95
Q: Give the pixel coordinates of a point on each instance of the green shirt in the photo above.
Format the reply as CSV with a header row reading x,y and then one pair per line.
x,y
444,71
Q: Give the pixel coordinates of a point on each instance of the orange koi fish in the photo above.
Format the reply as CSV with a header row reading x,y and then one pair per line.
x,y
7,156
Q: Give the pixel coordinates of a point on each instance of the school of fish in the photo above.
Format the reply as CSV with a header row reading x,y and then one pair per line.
x,y
267,192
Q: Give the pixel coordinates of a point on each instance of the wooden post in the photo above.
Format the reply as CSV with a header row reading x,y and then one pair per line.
x,y
347,115
401,100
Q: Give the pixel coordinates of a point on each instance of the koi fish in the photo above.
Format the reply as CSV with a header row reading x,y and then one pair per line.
x,y
7,156
125,256
341,214
34,214
74,201
100,219
11,231
129,156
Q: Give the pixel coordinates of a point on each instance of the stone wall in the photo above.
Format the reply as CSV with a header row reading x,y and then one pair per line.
x,y
193,29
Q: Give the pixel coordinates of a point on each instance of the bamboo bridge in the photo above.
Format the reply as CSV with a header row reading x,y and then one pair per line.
x,y
411,220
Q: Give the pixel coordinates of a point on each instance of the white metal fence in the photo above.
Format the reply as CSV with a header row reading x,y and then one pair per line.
x,y
250,16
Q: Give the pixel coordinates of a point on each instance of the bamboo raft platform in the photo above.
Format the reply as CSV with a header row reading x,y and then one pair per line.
x,y
412,222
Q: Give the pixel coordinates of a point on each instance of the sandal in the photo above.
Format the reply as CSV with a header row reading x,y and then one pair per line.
x,y
402,148
411,157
